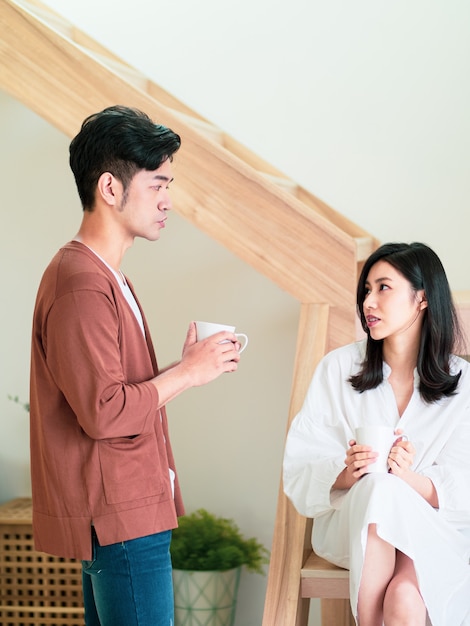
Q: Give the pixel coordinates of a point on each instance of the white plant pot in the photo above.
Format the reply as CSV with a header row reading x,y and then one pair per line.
x,y
205,598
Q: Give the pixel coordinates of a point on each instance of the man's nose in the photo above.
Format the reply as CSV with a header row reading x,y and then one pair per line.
x,y
165,204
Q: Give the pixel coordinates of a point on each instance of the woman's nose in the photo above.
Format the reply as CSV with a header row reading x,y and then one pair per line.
x,y
369,301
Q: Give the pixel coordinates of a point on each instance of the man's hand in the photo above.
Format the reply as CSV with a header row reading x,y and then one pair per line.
x,y
202,362
205,360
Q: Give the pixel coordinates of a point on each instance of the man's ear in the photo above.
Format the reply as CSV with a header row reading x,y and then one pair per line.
x,y
107,188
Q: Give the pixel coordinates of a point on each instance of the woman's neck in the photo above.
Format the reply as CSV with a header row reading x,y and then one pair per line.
x,y
401,357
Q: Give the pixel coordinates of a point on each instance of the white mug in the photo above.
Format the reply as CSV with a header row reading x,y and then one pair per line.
x,y
206,329
381,440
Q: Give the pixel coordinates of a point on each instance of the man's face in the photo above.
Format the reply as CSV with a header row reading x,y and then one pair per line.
x,y
144,204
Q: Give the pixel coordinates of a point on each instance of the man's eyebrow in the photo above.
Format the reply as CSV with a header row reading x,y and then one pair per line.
x,y
165,178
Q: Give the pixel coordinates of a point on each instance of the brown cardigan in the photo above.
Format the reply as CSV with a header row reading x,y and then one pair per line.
x,y
100,449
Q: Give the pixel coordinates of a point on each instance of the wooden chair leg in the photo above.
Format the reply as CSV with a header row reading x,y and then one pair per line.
x,y
303,612
336,613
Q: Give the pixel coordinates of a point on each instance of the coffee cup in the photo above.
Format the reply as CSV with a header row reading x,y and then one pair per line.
x,y
207,329
381,440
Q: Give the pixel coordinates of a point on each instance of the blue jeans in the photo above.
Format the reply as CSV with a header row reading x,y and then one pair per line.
x,y
129,583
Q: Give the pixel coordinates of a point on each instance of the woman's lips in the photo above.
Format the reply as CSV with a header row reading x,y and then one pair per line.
x,y
372,320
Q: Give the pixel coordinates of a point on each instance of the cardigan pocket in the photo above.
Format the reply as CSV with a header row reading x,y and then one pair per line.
x,y
130,468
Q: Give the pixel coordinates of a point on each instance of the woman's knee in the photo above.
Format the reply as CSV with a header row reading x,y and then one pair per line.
x,y
403,604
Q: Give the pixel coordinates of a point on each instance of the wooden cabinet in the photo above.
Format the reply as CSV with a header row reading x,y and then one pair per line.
x,y
35,588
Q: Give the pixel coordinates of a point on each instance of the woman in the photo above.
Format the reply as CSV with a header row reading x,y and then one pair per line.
x,y
404,535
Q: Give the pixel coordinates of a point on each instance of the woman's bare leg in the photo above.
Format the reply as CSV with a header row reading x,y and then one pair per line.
x,y
403,604
378,570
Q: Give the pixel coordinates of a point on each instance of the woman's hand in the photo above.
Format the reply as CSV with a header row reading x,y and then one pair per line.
x,y
401,459
358,457
401,455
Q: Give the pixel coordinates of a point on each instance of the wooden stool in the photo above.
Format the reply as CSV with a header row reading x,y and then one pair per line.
x,y
322,579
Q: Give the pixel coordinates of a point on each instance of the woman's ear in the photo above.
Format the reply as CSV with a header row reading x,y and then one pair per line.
x,y
423,303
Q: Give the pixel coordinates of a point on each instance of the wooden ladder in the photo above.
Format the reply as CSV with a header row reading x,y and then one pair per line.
x,y
296,573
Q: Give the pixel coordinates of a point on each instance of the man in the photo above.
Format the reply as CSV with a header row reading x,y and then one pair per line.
x,y
104,482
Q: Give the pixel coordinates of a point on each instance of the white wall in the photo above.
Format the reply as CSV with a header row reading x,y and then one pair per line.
x,y
36,215
365,104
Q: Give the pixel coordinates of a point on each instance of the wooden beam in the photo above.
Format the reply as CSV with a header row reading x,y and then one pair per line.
x,y
296,247
284,605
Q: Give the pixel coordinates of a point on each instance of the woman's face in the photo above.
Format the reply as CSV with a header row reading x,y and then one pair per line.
x,y
391,306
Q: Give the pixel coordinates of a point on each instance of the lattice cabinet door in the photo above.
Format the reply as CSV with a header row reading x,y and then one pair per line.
x,y
35,588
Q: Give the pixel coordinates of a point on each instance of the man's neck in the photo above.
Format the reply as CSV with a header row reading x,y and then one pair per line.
x,y
103,238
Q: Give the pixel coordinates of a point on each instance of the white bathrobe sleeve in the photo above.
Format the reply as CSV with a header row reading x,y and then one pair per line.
x,y
450,473
317,442
319,435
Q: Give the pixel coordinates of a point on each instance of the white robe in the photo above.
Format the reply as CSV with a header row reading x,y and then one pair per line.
x,y
438,541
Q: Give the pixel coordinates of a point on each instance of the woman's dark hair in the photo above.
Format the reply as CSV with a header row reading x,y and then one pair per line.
x,y
440,334
119,140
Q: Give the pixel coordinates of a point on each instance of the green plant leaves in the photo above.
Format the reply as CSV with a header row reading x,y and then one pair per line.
x,y
205,542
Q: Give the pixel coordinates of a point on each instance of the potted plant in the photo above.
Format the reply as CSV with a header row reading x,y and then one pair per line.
x,y
208,553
